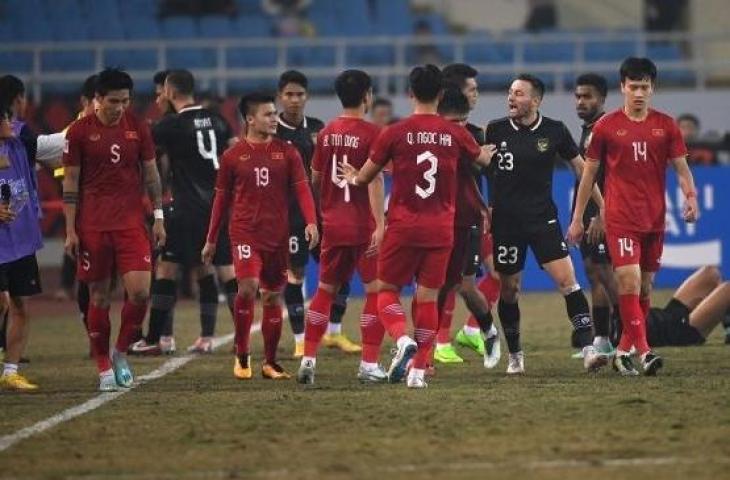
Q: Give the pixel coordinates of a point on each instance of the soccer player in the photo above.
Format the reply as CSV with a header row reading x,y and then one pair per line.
x,y
192,141
295,127
352,225
464,78
590,98
425,150
258,177
524,214
469,225
381,114
107,157
635,143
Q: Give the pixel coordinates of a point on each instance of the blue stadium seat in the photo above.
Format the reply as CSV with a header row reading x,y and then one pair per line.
x,y
110,30
311,56
55,10
663,52
251,57
251,7
141,29
370,55
191,58
16,62
322,85
550,52
609,51
326,24
216,26
70,30
67,61
131,59
138,9
38,30
179,27
252,27
393,17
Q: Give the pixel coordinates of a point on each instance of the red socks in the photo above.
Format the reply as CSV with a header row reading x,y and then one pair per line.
x,y
446,315
426,323
271,331
634,324
242,320
317,319
371,330
391,313
132,318
98,330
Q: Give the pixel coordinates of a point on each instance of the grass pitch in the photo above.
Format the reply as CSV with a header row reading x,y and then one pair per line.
x,y
199,422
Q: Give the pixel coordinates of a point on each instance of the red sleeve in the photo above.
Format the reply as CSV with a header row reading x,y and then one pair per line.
x,y
596,143
72,147
677,147
222,198
300,185
317,156
147,145
469,147
380,151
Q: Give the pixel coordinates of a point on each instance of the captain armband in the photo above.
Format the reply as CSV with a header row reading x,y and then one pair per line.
x,y
70,198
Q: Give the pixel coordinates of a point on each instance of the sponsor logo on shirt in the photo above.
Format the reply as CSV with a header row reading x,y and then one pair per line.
x,y
622,132
244,157
542,144
94,137
131,135
657,132
277,155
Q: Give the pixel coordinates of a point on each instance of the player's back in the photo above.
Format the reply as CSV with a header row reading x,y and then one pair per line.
x,y
194,140
425,150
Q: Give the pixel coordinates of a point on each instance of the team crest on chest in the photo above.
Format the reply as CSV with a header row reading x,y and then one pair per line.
x,y
94,137
277,155
244,157
542,145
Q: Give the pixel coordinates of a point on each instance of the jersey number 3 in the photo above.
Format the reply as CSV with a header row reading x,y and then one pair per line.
x,y
429,175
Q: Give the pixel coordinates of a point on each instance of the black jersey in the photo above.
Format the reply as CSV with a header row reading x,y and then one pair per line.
x,y
478,133
193,139
303,137
521,172
591,208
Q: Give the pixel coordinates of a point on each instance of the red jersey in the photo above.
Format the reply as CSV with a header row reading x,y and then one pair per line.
x,y
110,183
346,215
469,202
425,150
635,156
261,178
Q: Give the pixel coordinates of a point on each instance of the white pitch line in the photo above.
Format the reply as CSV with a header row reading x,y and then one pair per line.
x,y
92,404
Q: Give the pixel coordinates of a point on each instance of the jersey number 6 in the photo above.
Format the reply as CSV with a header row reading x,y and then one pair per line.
x,y
428,175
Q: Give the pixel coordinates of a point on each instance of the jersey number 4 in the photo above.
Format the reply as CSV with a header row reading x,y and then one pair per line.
x,y
205,152
338,179
429,175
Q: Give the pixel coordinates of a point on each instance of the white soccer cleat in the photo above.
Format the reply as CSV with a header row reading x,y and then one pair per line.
x,y
305,375
516,363
416,379
492,349
167,345
592,360
372,375
401,356
203,345
107,382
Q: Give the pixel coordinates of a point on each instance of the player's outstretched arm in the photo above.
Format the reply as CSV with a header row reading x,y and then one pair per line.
x,y
359,177
376,194
587,181
154,190
70,202
687,184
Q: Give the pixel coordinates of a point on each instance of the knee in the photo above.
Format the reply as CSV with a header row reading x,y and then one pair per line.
x,y
509,290
99,299
628,283
247,290
270,298
712,274
139,296
424,294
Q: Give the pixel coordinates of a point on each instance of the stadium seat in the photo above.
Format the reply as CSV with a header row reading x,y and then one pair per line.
x,y
549,52
132,59
252,27
251,57
311,56
216,26
179,28
191,58
141,29
609,51
375,55
70,30
110,30
16,62
52,61
252,7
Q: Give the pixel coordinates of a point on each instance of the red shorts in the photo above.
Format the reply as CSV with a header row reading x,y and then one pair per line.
x,y
398,263
337,264
268,267
632,248
101,252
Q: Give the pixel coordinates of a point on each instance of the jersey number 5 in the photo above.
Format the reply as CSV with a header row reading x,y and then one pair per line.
x,y
208,153
429,175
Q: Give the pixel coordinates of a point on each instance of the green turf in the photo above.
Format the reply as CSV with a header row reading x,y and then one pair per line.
x,y
199,422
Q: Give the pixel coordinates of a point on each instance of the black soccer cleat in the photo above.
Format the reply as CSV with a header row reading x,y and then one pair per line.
x,y
651,363
624,365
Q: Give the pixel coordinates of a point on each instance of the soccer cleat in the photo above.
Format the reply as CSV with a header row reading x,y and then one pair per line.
x,y
372,375
298,350
107,383
605,348
516,363
416,381
473,341
592,360
447,354
242,367
141,347
651,363
16,381
492,348
274,371
305,375
339,340
401,356
624,365
122,372
167,345
202,345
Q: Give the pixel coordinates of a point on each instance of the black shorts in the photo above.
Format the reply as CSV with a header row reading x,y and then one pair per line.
x,y
298,248
669,327
473,262
510,247
597,252
21,278
186,236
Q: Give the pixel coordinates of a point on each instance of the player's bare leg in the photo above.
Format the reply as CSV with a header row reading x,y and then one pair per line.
x,y
633,322
294,299
576,305
508,310
17,337
242,319
480,310
271,331
713,310
698,286
393,318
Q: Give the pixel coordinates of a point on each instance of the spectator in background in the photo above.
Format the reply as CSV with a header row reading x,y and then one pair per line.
x,y
689,126
542,16
700,150
425,50
289,17
664,15
381,113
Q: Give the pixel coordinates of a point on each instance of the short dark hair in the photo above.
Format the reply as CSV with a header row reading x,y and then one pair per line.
x,y
458,73
252,100
637,68
688,117
593,80
159,78
113,79
454,102
88,89
11,87
538,87
293,76
6,113
352,86
426,82
182,81
382,102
